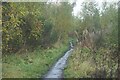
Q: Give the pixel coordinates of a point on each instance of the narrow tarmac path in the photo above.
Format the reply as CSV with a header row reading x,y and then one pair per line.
x,y
57,70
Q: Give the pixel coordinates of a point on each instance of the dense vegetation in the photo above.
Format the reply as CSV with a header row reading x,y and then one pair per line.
x,y
32,24
34,37
96,54
33,30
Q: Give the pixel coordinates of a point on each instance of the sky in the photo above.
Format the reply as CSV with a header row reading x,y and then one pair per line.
x,y
78,6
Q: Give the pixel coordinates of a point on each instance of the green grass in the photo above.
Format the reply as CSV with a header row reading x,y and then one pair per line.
x,y
31,65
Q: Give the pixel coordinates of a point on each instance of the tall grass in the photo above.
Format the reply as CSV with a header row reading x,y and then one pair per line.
x,y
82,64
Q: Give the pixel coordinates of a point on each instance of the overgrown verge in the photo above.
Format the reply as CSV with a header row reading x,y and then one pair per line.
x,y
31,65
82,64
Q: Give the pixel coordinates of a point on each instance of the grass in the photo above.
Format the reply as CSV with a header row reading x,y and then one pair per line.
x,y
82,65
31,65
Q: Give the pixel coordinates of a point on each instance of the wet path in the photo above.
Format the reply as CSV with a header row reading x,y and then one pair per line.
x,y
57,69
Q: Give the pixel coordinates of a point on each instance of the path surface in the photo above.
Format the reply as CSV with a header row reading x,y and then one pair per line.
x,y
57,70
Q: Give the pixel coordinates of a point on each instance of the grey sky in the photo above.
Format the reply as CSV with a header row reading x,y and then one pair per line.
x,y
78,6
